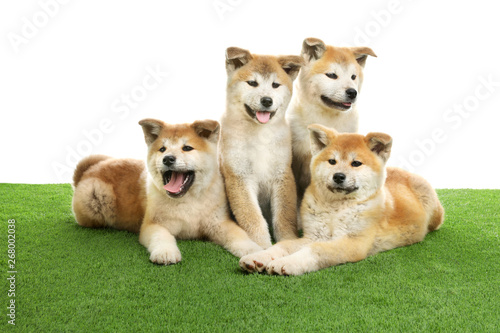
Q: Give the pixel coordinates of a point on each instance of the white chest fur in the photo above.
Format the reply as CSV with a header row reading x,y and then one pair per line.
x,y
185,217
327,221
257,151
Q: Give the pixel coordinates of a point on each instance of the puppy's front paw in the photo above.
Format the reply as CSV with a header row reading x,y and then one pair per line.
x,y
282,266
296,264
166,255
255,262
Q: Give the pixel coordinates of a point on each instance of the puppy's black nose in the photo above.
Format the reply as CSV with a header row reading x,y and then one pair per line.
x,y
266,101
169,160
351,93
339,178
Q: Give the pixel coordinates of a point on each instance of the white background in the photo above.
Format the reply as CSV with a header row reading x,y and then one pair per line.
x,y
65,68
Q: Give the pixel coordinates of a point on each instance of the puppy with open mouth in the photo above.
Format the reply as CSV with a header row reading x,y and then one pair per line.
x,y
327,93
255,147
185,197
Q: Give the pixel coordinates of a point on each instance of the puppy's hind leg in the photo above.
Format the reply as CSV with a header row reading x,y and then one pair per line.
x,y
284,207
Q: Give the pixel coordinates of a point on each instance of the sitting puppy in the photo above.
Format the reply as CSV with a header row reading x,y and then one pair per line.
x,y
255,147
185,198
328,90
353,208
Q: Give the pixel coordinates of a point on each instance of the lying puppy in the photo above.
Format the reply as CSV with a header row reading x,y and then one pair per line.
x,y
353,208
185,198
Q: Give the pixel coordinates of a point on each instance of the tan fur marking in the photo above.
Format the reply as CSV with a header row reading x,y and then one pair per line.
x,y
263,65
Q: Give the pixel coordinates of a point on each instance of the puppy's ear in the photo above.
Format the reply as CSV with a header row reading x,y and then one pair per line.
x,y
291,65
207,129
361,53
320,137
151,128
236,58
312,49
380,144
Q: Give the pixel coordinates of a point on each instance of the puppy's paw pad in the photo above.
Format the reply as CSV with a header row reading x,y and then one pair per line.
x,y
247,265
255,262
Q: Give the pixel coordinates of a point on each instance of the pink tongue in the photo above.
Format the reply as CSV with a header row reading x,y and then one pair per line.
x,y
347,104
175,183
263,116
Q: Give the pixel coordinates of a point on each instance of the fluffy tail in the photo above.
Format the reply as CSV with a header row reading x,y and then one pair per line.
x,y
437,218
84,164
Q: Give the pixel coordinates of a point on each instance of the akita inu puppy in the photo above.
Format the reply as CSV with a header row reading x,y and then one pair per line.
x,y
353,208
185,198
327,91
255,147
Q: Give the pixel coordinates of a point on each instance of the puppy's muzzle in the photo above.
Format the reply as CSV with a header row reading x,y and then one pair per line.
x,y
340,185
266,102
169,160
351,93
339,178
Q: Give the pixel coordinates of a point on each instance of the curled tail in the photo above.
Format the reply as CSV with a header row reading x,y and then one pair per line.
x,y
85,164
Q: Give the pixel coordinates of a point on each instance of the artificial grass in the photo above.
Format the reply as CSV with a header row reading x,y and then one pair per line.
x,y
75,279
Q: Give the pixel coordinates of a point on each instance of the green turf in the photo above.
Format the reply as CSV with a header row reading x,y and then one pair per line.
x,y
74,279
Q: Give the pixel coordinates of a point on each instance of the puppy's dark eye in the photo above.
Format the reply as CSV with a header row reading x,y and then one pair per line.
x,y
332,162
332,75
356,164
162,149
353,77
276,85
187,148
252,83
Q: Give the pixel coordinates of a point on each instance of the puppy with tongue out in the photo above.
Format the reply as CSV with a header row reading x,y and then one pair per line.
x,y
186,197
255,148
177,183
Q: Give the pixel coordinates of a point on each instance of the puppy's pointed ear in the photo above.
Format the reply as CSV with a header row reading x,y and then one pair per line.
x,y
151,128
361,53
291,65
380,144
312,49
207,129
320,137
236,58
